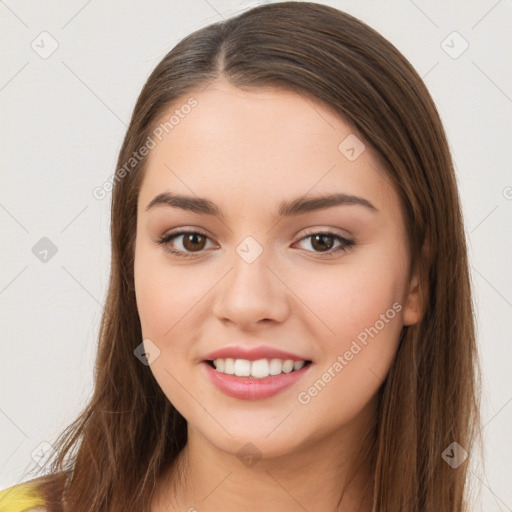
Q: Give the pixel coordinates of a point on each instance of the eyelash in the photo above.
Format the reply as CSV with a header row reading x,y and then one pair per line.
x,y
165,239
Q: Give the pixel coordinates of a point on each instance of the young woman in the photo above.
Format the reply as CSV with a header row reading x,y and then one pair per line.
x,y
288,323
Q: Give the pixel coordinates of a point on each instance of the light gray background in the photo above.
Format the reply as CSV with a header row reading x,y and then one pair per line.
x,y
63,120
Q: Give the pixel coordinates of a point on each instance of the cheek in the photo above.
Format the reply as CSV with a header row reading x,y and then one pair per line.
x,y
350,297
166,301
165,295
358,322
364,312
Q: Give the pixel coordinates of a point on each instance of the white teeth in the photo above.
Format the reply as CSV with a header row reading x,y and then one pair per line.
x,y
260,369
288,366
297,365
256,369
229,366
275,366
242,368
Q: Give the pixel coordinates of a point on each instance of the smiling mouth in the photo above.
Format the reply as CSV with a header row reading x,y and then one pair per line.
x,y
260,369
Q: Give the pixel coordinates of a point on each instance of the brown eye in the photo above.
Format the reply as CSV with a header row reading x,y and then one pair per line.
x,y
194,241
191,242
322,242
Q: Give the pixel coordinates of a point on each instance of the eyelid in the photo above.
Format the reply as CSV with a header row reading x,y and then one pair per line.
x,y
304,232
346,243
331,231
185,230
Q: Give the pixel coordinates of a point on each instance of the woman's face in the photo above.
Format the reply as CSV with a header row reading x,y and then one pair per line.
x,y
260,275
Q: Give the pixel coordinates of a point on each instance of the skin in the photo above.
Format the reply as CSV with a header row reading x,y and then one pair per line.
x,y
248,150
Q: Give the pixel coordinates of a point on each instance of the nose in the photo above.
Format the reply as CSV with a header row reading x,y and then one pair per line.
x,y
251,294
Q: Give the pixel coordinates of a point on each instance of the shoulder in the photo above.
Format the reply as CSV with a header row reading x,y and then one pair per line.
x,y
22,497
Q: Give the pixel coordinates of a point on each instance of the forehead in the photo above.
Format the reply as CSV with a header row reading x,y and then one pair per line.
x,y
259,144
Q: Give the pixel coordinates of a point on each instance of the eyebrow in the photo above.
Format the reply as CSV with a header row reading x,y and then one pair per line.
x,y
294,207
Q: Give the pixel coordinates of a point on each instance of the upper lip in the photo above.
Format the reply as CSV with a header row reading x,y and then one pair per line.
x,y
253,354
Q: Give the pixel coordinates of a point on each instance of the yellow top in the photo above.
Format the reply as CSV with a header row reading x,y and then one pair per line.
x,y
20,498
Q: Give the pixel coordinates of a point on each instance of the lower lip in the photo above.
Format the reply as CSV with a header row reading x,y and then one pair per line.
x,y
254,389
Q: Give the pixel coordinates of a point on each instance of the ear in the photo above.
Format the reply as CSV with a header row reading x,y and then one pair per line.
x,y
412,308
415,301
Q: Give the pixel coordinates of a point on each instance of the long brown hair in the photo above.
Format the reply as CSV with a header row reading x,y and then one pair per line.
x,y
109,458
